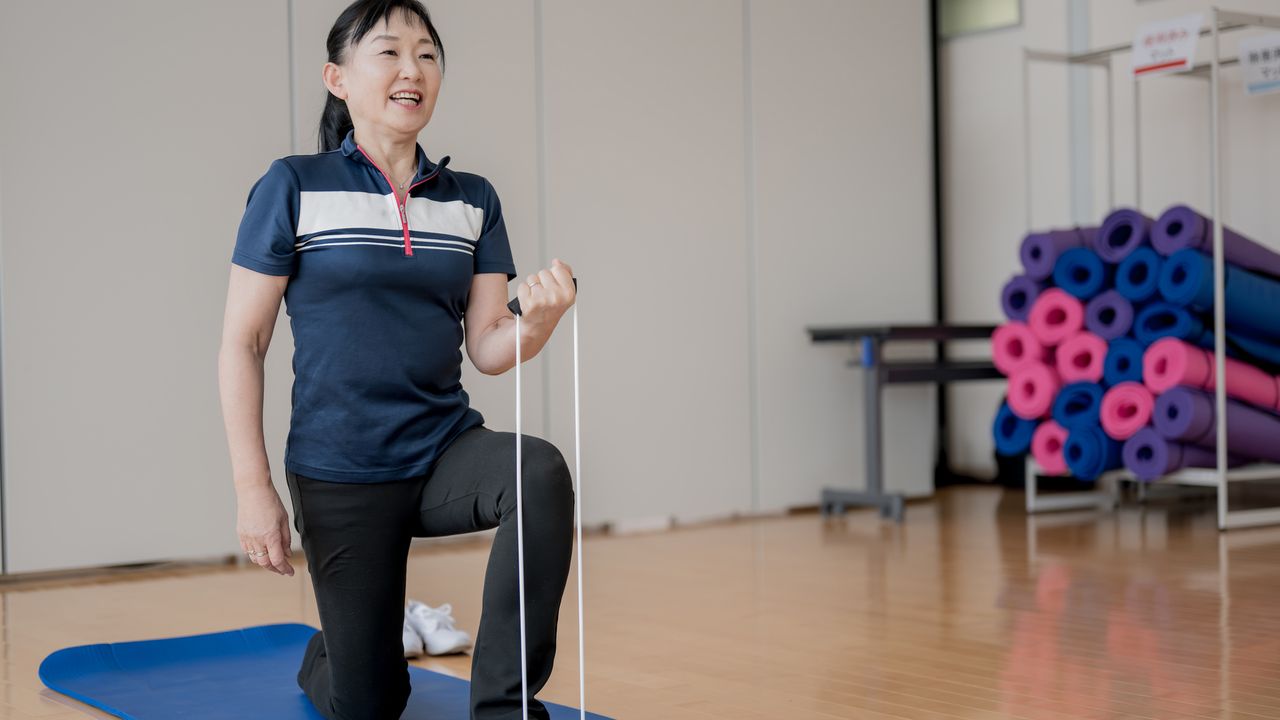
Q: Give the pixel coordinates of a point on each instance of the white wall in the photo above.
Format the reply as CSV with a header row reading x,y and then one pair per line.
x,y
720,174
983,157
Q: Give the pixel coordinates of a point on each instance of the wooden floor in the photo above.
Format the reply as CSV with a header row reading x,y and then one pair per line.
x,y
969,610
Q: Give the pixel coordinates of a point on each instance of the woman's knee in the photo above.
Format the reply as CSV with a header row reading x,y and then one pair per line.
x,y
548,483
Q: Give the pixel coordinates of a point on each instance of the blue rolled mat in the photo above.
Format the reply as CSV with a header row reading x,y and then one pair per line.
x,y
1123,362
1078,405
1138,276
249,673
1012,433
1018,295
1081,273
1251,299
1164,319
1089,452
1123,231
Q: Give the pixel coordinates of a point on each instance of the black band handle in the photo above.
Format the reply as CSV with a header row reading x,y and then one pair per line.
x,y
514,305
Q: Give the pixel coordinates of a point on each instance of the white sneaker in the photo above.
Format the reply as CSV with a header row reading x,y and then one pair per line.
x,y
413,646
435,627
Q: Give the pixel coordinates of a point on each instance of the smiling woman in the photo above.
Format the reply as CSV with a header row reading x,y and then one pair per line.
x,y
381,255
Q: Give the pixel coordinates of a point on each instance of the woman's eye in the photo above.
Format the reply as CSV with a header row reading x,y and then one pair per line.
x,y
429,56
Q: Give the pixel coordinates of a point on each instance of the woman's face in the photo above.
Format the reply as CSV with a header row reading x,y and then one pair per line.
x,y
394,56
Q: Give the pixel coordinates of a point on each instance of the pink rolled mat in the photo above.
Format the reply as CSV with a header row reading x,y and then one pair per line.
x,y
1170,362
1046,447
1081,358
1126,409
1055,316
1014,346
1032,389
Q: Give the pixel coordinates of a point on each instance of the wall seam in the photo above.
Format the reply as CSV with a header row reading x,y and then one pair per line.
x,y
541,154
749,189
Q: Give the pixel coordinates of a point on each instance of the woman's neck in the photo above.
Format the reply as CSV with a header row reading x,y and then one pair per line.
x,y
398,157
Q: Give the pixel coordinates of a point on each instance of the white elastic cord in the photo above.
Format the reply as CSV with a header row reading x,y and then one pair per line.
x,y
524,679
577,479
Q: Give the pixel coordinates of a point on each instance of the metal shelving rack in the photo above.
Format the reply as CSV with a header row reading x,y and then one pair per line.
x,y
1220,21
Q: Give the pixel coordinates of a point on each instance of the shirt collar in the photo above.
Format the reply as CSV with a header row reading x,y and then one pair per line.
x,y
426,168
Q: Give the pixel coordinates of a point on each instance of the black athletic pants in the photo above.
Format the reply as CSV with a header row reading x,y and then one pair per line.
x,y
356,539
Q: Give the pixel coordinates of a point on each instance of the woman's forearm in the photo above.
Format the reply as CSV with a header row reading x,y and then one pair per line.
x,y
496,350
240,384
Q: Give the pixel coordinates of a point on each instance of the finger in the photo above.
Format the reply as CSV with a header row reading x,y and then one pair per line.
x,y
287,541
563,273
567,267
549,281
276,556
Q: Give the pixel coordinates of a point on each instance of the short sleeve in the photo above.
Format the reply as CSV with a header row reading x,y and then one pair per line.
x,y
493,249
268,230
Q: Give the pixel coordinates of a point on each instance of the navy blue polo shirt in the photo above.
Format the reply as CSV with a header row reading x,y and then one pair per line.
x,y
376,297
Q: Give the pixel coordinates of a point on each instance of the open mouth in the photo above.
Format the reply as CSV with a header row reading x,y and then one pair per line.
x,y
408,99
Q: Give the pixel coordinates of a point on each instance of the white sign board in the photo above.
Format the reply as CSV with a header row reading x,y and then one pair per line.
x,y
1260,57
1166,46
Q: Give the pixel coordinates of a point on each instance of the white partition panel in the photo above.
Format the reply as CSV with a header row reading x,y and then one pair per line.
x,y
843,234
644,153
132,133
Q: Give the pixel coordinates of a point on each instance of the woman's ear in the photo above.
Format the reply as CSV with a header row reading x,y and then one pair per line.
x,y
332,76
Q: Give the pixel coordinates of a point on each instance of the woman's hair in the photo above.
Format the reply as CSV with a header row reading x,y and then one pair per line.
x,y
352,25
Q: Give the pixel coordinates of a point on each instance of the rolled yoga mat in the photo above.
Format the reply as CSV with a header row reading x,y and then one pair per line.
x,y
1251,300
1055,316
1078,405
1124,362
1014,346
1181,227
1032,390
1137,278
1163,319
1089,452
1081,358
1040,251
1122,232
1150,456
1012,433
1082,273
1126,409
1018,295
1046,447
1187,415
1171,362
1109,315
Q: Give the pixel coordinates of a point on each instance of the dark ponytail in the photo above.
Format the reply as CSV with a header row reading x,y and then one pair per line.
x,y
352,25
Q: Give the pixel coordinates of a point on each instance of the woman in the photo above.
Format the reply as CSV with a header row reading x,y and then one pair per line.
x,y
382,256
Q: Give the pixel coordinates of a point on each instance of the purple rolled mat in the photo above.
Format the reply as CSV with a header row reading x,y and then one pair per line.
x,y
1108,315
1181,227
1018,295
1122,232
1040,251
1186,415
1149,456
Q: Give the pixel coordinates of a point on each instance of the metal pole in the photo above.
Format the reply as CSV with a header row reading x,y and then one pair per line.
x,y
1219,299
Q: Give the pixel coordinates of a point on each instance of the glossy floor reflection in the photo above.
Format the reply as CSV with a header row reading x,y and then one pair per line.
x,y
969,610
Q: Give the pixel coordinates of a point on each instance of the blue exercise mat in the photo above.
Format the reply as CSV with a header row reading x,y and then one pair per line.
x,y
247,673
1124,361
1082,273
1012,434
1137,277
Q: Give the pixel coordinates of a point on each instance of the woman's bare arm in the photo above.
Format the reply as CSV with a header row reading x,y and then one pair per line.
x,y
490,326
253,302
